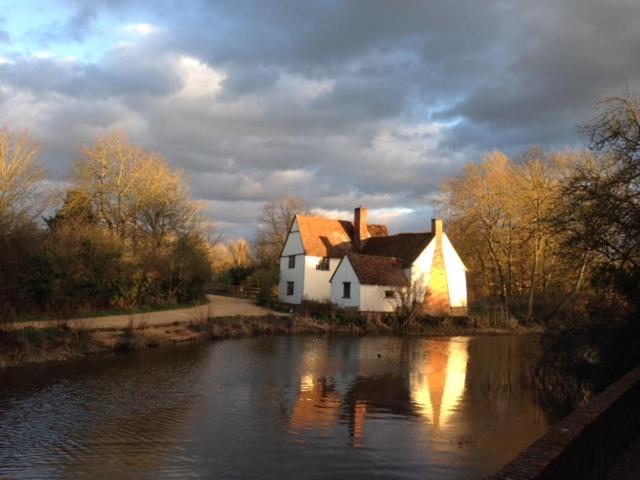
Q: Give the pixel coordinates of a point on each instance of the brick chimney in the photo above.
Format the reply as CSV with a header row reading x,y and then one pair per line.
x,y
436,227
437,302
360,231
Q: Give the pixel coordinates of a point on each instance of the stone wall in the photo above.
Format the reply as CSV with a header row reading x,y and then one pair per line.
x,y
587,443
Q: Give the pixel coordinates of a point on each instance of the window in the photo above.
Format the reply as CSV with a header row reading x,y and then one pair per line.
x,y
323,264
389,294
346,289
292,261
289,288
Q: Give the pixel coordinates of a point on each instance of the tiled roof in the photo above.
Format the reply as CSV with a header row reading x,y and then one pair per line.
x,y
377,270
324,237
404,246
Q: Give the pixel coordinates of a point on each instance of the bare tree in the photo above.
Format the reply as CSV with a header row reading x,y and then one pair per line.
x,y
134,192
239,253
274,222
599,205
499,216
21,177
408,303
616,129
483,211
165,208
110,173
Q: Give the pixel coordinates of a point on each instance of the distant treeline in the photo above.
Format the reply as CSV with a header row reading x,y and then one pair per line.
x,y
125,235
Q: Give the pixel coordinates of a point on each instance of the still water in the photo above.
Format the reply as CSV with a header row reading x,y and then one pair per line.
x,y
275,407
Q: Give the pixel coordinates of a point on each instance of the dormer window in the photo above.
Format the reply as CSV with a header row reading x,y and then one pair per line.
x,y
323,264
346,289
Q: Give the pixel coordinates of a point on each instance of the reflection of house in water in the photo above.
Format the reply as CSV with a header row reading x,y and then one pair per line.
x,y
317,405
433,388
437,385
377,394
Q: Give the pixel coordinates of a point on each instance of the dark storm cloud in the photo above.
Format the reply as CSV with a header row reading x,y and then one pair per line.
x,y
566,60
341,102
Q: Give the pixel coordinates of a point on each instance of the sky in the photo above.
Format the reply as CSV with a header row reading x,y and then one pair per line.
x,y
342,103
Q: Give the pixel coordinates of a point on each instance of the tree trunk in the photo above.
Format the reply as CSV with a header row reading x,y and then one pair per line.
x,y
573,292
534,270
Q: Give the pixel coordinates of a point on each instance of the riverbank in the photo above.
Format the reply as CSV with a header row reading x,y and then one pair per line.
x,y
68,341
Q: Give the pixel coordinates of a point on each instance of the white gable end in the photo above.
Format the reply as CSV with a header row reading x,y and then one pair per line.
x,y
291,287
456,276
293,244
421,268
345,273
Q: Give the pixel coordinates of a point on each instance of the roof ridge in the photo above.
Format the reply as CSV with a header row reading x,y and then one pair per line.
x,y
317,217
409,233
358,254
330,237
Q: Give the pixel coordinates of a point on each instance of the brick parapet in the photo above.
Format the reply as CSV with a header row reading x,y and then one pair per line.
x,y
586,443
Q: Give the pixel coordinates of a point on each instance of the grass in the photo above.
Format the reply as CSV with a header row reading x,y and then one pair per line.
x,y
351,323
56,342
132,338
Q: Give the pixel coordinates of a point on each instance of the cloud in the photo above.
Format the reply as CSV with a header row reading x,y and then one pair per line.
x,y
76,27
141,28
337,102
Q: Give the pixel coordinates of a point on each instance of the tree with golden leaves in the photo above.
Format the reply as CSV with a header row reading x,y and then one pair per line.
x,y
134,192
500,215
21,177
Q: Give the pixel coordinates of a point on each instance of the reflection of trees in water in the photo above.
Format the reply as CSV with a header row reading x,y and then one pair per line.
x,y
582,357
500,407
500,368
558,391
565,375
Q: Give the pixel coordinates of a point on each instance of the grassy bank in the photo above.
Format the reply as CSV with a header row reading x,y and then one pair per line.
x,y
234,327
60,341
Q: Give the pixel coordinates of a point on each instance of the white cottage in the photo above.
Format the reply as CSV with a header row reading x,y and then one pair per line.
x,y
358,265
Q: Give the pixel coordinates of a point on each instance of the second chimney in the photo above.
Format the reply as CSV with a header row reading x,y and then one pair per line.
x,y
360,230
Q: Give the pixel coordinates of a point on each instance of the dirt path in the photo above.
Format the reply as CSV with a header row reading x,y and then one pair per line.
x,y
218,306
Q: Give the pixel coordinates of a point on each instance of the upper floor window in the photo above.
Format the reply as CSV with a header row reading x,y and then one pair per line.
x,y
389,294
346,289
292,261
323,264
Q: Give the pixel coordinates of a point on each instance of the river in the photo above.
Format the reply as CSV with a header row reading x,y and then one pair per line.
x,y
275,407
